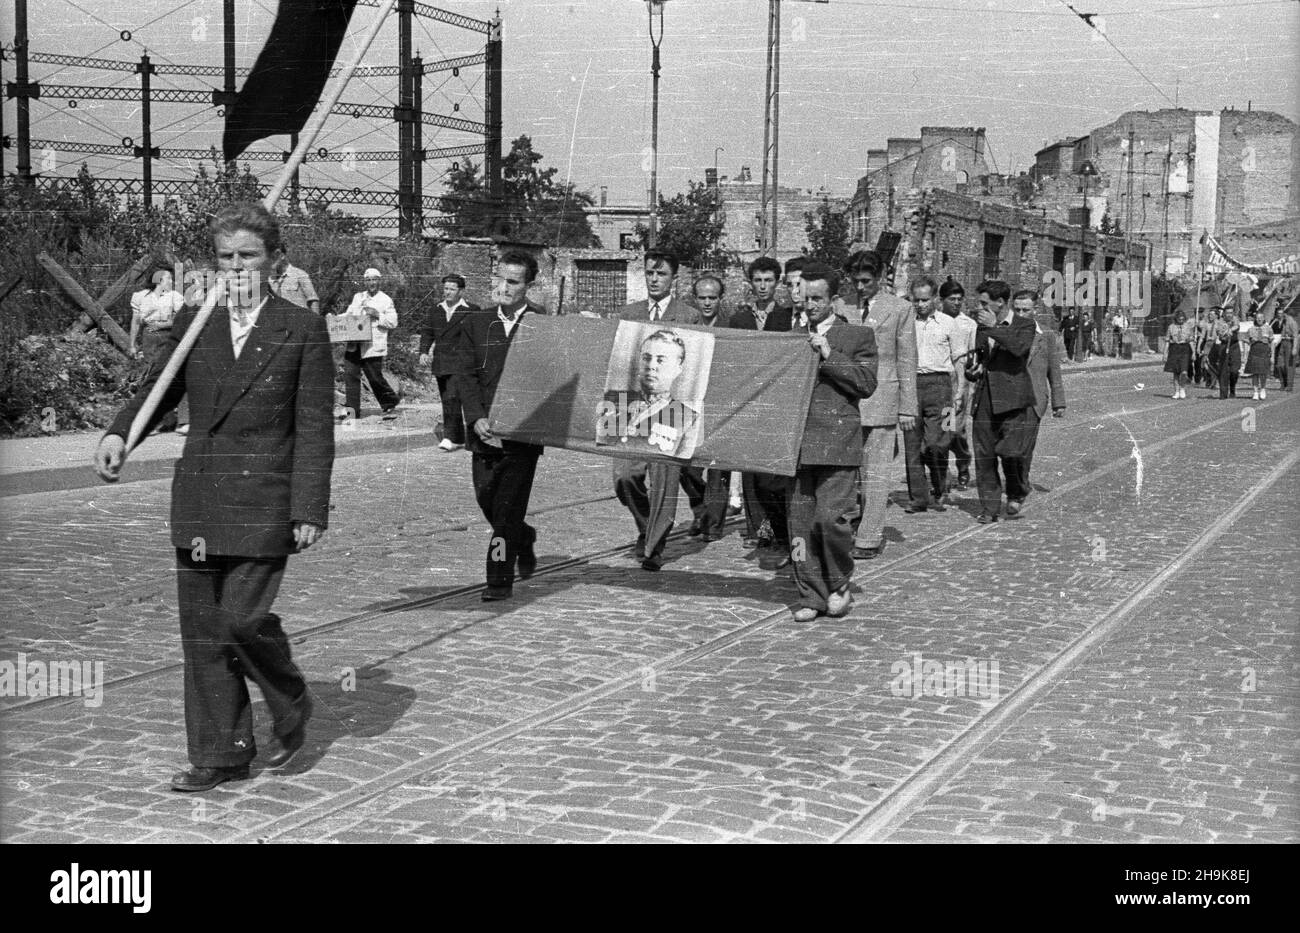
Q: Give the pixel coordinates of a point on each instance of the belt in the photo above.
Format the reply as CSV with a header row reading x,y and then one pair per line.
x,y
933,375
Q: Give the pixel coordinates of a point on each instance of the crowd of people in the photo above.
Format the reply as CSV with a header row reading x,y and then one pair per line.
x,y
921,379
1216,349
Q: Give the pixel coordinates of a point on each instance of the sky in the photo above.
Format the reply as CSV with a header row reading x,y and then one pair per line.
x,y
577,79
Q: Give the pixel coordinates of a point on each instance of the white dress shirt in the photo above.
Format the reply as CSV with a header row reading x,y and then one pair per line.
x,y
242,324
937,344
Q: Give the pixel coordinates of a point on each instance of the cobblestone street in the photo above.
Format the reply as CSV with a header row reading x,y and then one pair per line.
x,y
1119,664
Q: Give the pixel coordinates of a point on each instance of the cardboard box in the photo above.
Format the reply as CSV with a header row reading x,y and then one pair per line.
x,y
345,328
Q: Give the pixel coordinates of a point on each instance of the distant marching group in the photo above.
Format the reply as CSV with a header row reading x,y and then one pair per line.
x,y
1210,350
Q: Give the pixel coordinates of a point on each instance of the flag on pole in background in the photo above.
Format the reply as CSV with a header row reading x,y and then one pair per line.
x,y
287,80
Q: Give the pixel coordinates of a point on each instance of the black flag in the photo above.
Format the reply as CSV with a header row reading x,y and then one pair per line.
x,y
286,82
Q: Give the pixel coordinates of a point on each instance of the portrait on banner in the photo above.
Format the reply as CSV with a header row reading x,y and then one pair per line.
x,y
655,387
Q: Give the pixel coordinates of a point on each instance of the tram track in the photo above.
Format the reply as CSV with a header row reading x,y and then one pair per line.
x,y
868,827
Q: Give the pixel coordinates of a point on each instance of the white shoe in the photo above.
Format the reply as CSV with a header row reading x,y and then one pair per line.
x,y
1255,395
182,429
1263,393
447,446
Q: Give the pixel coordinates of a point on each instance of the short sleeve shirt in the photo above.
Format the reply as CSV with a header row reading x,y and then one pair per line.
x,y
294,286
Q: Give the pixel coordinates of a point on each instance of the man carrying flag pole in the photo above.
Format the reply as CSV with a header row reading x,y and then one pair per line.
x,y
253,483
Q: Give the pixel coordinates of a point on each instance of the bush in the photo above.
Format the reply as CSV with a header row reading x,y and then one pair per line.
x,y
56,384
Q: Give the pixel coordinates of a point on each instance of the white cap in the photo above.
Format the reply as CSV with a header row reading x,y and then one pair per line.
x,y
373,273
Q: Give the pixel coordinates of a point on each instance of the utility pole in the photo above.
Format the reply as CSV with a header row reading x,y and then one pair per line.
x,y
23,91
405,117
492,115
417,147
1168,175
1128,208
226,96
767,211
146,149
771,132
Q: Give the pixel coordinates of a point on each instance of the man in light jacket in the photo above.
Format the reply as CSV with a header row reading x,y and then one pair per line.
x,y
368,355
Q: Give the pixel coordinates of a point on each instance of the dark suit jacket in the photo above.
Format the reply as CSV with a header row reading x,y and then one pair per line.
x,y
446,339
486,346
1006,373
780,318
261,444
677,312
832,435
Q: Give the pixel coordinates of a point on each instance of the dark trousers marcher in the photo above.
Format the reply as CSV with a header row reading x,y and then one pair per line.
x,y
1070,337
926,445
1229,363
1003,437
1213,364
373,367
229,636
754,514
649,491
717,491
823,500
453,422
1284,365
503,483
774,496
960,447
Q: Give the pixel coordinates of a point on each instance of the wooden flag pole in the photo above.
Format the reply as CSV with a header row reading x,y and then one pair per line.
x,y
305,141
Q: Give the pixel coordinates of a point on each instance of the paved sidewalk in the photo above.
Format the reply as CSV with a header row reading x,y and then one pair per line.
x,y
45,464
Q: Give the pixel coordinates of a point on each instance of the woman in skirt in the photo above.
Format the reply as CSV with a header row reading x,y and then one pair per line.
x,y
1260,360
1179,361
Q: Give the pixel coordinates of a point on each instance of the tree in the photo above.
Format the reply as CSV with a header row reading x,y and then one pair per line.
x,y
691,226
828,235
534,207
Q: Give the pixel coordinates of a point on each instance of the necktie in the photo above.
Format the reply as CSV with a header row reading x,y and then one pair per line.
x,y
655,311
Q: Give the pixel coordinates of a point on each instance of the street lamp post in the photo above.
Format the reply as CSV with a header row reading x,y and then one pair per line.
x,y
716,150
1087,171
656,10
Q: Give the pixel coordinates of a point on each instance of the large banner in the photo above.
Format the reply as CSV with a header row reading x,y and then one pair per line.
x,y
1219,260
666,392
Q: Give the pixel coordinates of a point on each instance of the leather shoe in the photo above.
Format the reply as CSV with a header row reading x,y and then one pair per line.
x,y
913,507
963,480
839,603
639,550
986,518
493,594
1014,506
805,614
290,744
695,530
868,553
651,563
196,780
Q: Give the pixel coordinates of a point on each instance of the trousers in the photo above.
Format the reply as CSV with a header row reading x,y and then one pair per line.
x,y
927,444
503,483
230,636
453,422
1003,437
649,492
875,476
821,536
373,367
